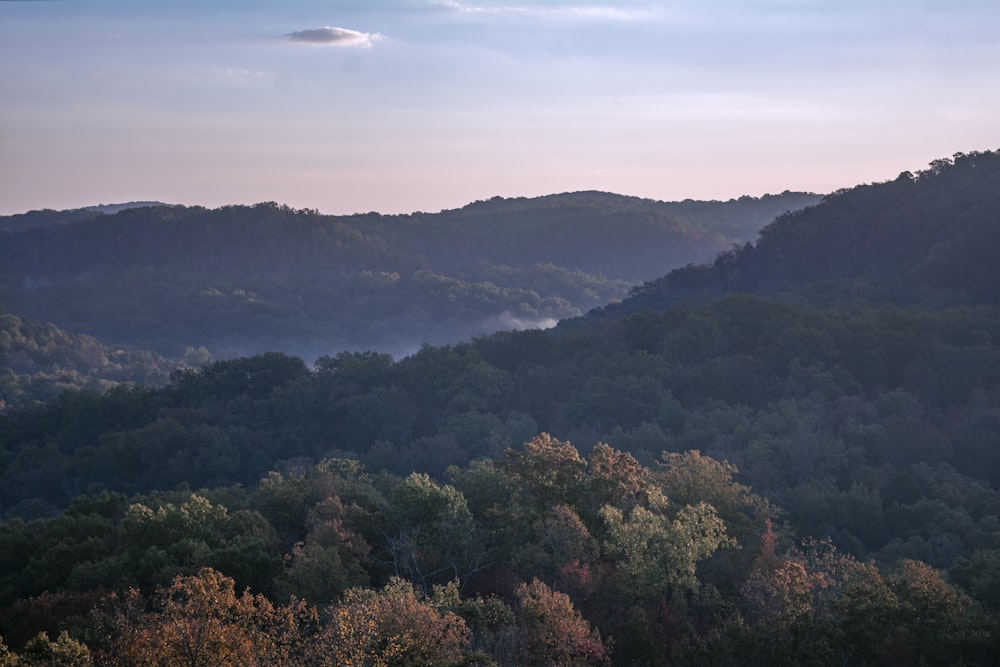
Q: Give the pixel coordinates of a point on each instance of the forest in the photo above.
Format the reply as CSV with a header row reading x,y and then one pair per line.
x,y
243,280
785,456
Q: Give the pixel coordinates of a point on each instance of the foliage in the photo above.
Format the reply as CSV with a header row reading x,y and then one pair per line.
x,y
391,627
200,620
407,571
40,361
556,634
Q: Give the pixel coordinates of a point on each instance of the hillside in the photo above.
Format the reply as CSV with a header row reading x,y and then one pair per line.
x,y
39,361
240,279
926,238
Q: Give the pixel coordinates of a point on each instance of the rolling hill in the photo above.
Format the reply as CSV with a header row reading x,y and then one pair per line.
x,y
246,279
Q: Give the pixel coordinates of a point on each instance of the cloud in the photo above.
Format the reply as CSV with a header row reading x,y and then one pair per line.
x,y
582,11
331,36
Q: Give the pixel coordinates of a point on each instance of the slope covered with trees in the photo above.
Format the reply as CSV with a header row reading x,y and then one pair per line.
x,y
40,361
928,238
241,280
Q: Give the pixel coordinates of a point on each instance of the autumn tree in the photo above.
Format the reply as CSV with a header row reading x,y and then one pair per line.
x,y
556,635
200,621
391,627
330,560
690,477
817,604
614,478
547,469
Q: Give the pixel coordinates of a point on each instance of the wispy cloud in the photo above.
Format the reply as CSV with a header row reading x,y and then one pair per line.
x,y
581,11
331,36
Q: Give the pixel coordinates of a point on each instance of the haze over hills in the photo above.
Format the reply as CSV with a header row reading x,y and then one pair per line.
x,y
245,279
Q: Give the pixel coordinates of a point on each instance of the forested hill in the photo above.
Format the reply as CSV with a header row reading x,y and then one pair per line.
x,y
621,237
246,279
928,238
39,361
52,218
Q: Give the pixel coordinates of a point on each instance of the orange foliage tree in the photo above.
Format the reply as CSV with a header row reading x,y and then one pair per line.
x,y
389,628
200,621
556,634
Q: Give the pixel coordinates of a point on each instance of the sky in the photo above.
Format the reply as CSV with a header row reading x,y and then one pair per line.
x,y
398,106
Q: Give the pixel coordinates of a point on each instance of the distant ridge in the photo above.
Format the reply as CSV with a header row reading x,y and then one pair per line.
x,y
110,209
40,219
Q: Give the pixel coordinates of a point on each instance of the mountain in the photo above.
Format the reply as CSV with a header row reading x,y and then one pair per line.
x,y
245,279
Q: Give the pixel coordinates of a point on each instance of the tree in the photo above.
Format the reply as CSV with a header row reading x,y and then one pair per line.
x,y
63,652
980,576
433,536
548,469
656,553
389,628
932,613
7,659
689,478
331,559
200,621
556,635
614,477
817,605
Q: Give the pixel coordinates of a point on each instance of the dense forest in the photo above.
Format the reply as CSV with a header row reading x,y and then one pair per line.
x,y
788,456
241,280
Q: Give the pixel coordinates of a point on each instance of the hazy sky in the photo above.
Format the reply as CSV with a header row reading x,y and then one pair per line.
x,y
404,105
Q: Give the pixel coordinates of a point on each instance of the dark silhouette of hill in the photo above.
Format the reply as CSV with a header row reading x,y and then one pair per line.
x,y
51,218
244,279
927,238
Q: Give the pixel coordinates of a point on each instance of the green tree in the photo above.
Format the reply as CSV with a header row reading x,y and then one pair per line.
x,y
433,536
656,553
63,652
933,614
